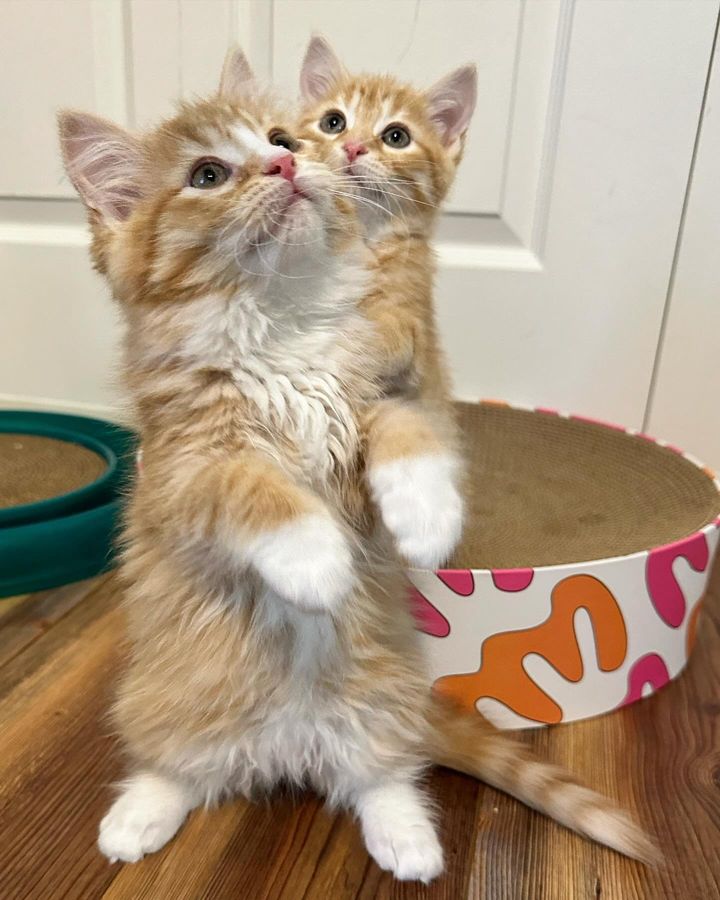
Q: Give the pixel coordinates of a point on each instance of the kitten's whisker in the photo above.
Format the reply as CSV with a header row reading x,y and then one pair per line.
x,y
409,199
378,185
406,244
359,199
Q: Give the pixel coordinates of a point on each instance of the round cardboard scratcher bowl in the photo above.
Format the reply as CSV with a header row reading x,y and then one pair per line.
x,y
578,584
60,481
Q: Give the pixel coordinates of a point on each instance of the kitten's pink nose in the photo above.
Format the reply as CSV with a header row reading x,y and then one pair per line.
x,y
353,149
282,165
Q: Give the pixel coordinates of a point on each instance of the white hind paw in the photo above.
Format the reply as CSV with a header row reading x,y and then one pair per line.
x,y
414,854
143,818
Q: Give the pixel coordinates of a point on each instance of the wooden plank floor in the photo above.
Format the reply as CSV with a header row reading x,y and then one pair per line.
x,y
58,656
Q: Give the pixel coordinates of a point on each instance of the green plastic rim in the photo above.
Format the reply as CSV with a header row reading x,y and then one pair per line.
x,y
71,536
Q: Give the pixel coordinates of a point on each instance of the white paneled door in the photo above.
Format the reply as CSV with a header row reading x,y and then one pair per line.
x,y
557,248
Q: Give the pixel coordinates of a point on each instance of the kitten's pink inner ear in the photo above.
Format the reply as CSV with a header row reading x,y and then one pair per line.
x,y
237,79
104,163
321,70
451,103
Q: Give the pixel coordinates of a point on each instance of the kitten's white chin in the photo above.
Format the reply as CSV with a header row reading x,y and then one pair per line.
x,y
299,216
292,246
300,235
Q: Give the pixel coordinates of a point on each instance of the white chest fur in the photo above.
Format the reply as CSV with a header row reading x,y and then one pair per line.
x,y
291,372
306,406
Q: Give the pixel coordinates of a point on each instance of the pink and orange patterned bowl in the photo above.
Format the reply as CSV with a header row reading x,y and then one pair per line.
x,y
580,580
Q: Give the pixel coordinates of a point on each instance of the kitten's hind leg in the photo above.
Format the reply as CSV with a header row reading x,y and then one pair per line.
x,y
399,832
146,815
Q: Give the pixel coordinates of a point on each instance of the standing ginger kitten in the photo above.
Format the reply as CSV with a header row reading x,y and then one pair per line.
x,y
269,633
397,150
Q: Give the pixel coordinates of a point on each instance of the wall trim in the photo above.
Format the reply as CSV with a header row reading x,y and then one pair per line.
x,y
48,404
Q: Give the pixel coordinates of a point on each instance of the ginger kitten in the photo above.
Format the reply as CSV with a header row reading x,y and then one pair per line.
x,y
269,633
396,149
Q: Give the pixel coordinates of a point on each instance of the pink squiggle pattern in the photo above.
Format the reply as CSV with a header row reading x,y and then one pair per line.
x,y
512,580
665,592
649,669
427,618
460,581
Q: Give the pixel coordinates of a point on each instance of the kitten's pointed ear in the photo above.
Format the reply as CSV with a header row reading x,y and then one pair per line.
x,y
104,163
321,69
237,79
451,103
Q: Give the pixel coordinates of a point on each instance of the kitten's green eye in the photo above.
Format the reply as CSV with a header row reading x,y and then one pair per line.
x,y
396,136
333,122
280,138
208,174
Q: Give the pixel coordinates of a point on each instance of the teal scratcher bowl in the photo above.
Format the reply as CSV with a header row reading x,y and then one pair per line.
x,y
70,536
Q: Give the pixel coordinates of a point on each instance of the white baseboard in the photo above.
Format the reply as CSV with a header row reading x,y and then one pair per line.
x,y
48,404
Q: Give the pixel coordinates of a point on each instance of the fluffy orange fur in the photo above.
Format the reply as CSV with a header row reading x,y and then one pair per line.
x,y
269,634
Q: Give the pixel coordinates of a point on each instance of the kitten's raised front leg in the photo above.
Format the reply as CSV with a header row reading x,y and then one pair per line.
x,y
306,560
146,815
399,832
414,479
255,512
396,337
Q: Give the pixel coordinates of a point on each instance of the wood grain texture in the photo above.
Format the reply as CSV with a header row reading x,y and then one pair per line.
x,y
58,655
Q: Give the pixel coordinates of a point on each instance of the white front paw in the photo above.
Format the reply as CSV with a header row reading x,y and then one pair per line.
x,y
307,561
143,818
421,506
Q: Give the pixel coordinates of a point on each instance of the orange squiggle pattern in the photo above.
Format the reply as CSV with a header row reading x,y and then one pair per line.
x,y
502,676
